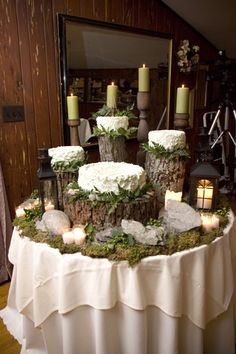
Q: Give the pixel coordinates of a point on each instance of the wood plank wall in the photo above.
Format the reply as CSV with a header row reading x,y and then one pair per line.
x,y
30,72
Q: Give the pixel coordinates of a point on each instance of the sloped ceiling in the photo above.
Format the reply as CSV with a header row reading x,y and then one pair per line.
x,y
214,19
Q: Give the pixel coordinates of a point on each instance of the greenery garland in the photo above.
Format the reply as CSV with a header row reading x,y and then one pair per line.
x,y
69,166
127,133
107,111
160,152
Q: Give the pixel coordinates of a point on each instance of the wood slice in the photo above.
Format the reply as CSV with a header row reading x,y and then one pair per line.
x,y
82,212
165,174
112,149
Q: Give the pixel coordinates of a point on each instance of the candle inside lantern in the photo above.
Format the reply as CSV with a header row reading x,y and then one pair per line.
x,y
112,95
204,195
170,195
143,79
182,100
209,222
73,107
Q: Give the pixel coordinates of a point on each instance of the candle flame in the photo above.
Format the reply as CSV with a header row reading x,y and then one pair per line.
x,y
144,66
112,83
182,85
71,94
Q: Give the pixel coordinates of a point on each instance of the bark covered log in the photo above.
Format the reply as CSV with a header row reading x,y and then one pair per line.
x,y
82,211
112,149
63,179
165,174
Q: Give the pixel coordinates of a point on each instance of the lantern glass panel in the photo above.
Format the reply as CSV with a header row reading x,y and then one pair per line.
x,y
204,194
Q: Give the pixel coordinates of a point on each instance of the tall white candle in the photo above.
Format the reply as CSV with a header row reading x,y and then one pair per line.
x,y
73,107
112,95
182,100
143,79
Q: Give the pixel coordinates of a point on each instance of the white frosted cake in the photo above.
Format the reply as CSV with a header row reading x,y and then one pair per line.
x,y
107,176
66,154
112,123
167,138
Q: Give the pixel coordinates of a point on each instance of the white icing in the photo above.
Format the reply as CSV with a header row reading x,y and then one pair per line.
x,y
66,154
167,138
112,123
106,176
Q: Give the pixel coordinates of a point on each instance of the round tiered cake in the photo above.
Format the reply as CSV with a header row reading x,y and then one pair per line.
x,y
106,177
112,123
169,139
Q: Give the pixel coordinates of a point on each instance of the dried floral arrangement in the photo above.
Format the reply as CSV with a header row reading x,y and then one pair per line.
x,y
187,56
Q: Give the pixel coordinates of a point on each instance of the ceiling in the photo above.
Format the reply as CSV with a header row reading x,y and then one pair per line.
x,y
214,19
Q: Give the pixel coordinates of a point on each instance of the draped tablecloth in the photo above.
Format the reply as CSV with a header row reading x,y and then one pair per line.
x,y
72,304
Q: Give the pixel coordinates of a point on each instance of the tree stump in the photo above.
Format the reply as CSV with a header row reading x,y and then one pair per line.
x,y
63,179
165,174
112,149
82,211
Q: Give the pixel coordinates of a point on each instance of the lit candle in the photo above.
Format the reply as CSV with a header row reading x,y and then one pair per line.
x,y
73,107
143,79
170,195
68,236
204,197
79,235
49,206
111,95
20,212
209,222
182,100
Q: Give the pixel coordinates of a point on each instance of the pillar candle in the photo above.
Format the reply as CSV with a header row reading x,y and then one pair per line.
x,y
182,100
143,79
111,95
73,107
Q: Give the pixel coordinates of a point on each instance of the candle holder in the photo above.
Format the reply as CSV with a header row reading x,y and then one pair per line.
x,y
181,121
143,105
74,133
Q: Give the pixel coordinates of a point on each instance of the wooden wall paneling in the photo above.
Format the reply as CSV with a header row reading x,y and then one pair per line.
x,y
122,12
13,141
146,14
93,9
52,66
27,84
39,72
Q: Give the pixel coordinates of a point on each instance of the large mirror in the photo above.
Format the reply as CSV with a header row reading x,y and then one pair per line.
x,y
93,54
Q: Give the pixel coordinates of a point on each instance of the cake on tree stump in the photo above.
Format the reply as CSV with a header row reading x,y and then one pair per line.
x,y
65,163
108,192
165,160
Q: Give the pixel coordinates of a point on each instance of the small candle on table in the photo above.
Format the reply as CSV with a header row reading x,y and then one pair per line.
x,y
49,206
73,107
170,195
68,236
79,235
20,212
112,95
209,222
143,79
182,100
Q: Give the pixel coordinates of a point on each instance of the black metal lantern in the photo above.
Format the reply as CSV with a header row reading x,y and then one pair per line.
x,y
204,182
47,181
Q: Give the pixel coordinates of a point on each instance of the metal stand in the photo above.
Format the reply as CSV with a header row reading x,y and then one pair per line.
x,y
224,133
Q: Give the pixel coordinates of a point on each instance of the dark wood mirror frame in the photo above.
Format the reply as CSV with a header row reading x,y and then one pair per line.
x,y
62,21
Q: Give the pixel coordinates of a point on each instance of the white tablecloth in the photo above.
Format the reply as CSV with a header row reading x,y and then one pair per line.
x,y
166,304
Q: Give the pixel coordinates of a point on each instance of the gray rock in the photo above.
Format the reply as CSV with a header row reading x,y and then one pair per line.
x,y
180,217
149,235
54,221
104,235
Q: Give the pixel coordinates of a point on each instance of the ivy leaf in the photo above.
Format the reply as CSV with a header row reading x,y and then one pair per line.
x,y
159,151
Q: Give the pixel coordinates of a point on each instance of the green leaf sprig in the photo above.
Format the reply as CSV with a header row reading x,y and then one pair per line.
x,y
107,111
127,133
159,151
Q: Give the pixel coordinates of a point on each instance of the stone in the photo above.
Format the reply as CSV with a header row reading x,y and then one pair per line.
x,y
54,221
149,235
180,217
